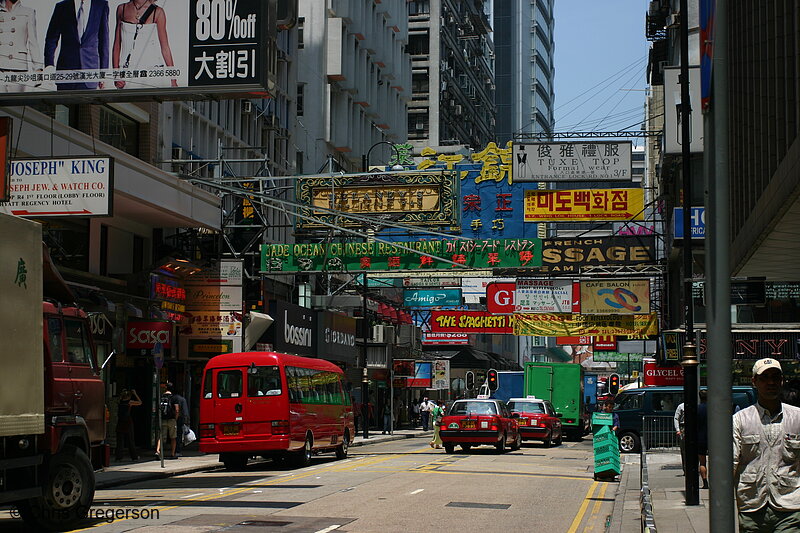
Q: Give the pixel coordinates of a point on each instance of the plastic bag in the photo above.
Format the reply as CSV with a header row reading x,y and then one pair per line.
x,y
189,437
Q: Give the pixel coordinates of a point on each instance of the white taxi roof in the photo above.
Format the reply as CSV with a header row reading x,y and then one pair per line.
x,y
528,399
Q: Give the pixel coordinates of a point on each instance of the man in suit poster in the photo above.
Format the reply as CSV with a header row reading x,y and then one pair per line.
x,y
80,27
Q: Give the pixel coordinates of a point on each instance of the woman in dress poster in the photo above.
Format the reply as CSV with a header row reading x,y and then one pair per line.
x,y
19,44
141,41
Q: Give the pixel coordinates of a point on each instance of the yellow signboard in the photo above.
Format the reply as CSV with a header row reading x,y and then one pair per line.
x,y
615,297
584,204
567,325
378,198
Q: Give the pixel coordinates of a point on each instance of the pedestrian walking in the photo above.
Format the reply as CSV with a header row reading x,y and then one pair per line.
x,y
170,410
127,400
678,421
437,413
414,413
387,418
702,438
182,421
425,413
766,452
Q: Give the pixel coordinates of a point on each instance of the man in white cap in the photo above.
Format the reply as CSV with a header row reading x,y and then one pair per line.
x,y
766,456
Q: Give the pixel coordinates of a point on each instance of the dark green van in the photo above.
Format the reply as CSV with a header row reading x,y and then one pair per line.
x,y
649,411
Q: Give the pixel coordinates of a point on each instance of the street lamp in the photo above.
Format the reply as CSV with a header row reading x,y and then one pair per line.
x,y
365,158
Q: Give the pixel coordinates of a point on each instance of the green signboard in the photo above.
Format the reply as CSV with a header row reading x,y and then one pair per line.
x,y
616,357
412,256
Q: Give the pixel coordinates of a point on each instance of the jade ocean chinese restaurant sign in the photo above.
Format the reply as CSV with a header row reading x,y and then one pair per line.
x,y
411,198
412,256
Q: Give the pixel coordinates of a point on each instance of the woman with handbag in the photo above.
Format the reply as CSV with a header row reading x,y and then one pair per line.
x,y
141,42
436,415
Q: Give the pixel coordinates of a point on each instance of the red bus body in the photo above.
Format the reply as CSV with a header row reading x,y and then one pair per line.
x,y
274,405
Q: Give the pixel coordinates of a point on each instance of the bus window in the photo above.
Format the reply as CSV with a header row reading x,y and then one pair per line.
x,y
229,384
264,381
207,386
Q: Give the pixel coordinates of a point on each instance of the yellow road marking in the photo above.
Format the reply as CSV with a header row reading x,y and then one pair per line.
x,y
596,509
578,517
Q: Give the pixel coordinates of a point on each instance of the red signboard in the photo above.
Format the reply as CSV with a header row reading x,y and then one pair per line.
x,y
450,339
655,375
605,342
471,322
144,334
574,341
500,297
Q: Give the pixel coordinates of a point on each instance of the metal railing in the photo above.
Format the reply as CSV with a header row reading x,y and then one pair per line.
x,y
658,434
645,497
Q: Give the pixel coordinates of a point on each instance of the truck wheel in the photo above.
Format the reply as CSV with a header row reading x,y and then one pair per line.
x,y
629,442
234,462
67,494
341,450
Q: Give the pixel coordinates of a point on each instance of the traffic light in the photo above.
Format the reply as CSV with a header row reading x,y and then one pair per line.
x,y
491,380
470,378
613,384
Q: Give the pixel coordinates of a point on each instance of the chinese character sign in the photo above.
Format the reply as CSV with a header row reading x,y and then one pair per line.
x,y
571,161
584,204
158,47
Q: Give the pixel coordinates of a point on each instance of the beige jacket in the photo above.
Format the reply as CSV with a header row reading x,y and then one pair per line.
x,y
766,458
19,45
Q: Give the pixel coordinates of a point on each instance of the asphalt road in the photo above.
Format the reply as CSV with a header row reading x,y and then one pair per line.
x,y
402,486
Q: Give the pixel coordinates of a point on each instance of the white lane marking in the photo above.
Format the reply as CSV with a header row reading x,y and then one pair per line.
x,y
192,495
417,491
329,528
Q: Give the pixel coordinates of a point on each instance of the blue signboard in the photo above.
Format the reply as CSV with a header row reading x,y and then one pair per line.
x,y
698,222
431,297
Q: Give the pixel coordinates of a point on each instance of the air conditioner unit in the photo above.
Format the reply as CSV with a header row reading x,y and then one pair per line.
x,y
247,107
377,334
383,334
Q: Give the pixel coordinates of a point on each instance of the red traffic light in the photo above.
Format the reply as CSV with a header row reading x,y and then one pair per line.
x,y
613,384
491,380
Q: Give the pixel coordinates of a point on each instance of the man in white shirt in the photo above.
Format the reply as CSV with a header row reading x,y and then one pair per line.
x,y
678,422
766,456
425,413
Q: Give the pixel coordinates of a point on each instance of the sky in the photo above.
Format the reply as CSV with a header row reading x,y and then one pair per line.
x,y
601,64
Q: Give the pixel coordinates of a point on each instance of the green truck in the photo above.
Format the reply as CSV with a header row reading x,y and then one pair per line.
x,y
562,385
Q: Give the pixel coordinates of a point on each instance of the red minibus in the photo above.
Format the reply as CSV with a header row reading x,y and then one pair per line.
x,y
274,405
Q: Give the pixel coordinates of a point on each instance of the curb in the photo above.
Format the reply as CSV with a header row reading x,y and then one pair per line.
x,y
388,438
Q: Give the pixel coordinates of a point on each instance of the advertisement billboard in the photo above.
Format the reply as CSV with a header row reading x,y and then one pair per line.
x,y
625,297
60,186
336,337
118,49
448,339
145,334
544,296
584,205
471,322
423,371
572,161
441,374
571,255
500,297
293,330
556,324
431,297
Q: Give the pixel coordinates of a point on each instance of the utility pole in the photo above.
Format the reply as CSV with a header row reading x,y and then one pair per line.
x,y
365,376
689,361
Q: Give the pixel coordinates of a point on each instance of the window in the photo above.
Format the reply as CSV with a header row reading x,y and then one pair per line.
x,y
79,350
54,333
314,386
300,100
229,384
119,131
475,408
419,7
265,381
207,384
527,407
666,401
418,44
629,401
301,21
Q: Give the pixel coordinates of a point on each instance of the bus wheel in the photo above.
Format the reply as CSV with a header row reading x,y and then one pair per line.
x,y
234,462
341,450
303,457
67,494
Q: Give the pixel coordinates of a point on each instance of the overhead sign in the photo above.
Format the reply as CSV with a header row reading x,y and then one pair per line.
x,y
500,297
144,334
625,297
655,375
602,356
214,297
226,272
571,255
544,296
182,48
583,205
415,256
412,198
431,297
335,336
423,371
604,342
572,161
448,339
471,322
473,289
432,282
207,348
574,341
293,329
212,324
550,325
62,186
697,223
648,346
441,374
672,111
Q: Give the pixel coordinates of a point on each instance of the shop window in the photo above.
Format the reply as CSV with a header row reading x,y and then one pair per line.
x,y
119,131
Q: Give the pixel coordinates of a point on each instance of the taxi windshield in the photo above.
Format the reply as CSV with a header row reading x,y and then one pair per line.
x,y
475,408
526,407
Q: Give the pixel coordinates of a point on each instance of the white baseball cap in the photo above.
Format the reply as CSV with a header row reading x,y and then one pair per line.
x,y
764,364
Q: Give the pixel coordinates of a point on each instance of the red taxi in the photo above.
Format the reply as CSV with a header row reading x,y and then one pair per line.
x,y
537,420
471,423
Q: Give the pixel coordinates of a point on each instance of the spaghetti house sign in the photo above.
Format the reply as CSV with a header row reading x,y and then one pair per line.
x,y
416,256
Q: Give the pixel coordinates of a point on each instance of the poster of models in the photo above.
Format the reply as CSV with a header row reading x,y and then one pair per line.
x,y
121,45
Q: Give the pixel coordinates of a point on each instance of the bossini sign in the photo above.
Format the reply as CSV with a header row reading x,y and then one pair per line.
x,y
214,298
295,334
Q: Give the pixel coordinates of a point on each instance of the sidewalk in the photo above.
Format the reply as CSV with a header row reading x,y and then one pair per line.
x,y
125,472
667,490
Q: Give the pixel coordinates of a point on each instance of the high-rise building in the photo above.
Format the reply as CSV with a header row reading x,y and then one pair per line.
x,y
524,67
453,74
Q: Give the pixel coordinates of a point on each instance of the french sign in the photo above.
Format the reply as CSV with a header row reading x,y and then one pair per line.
x,y
543,296
570,255
556,324
56,187
624,297
180,48
584,205
470,322
572,161
416,256
431,297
